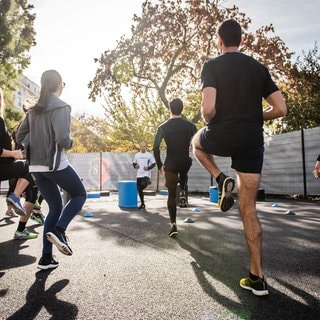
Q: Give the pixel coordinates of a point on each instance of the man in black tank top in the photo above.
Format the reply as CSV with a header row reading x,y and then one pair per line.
x,y
177,133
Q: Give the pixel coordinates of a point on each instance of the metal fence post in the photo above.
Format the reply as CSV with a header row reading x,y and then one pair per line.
x,y
304,164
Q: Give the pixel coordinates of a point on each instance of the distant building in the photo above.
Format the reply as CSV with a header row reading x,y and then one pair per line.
x,y
27,92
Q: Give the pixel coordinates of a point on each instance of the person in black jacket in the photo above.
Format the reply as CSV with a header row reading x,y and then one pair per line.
x,y
14,168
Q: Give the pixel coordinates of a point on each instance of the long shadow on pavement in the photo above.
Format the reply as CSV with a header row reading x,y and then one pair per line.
x,y
38,297
10,256
217,245
291,251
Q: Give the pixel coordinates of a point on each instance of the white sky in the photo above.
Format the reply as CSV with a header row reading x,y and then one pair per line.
x,y
71,33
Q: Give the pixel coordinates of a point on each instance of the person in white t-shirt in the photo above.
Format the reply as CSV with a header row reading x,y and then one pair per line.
x,y
143,162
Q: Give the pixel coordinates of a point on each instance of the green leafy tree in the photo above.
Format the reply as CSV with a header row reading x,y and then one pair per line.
x,y
13,117
163,57
17,36
303,92
89,134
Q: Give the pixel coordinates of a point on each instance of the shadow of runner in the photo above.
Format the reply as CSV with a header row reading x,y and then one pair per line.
x,y
38,297
7,221
10,256
221,268
210,263
3,292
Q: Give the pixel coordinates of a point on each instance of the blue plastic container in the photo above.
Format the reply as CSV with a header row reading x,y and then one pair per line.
x,y
214,194
127,194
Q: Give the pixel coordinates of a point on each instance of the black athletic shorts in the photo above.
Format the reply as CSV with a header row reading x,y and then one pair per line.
x,y
246,160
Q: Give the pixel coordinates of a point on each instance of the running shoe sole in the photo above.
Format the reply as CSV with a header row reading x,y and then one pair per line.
x,y
48,266
62,247
226,201
11,215
255,292
172,234
15,208
183,203
23,238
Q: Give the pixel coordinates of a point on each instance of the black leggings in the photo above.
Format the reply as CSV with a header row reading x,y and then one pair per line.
x,y
141,185
176,172
17,169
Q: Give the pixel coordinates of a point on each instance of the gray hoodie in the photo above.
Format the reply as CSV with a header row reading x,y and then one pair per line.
x,y
45,132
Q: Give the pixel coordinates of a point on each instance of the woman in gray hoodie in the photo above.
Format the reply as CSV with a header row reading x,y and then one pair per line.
x,y
45,132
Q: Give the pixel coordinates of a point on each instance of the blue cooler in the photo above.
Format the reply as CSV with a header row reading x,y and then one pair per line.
x,y
214,194
127,194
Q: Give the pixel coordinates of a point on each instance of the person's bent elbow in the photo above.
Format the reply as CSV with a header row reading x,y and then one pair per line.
x,y
277,108
207,116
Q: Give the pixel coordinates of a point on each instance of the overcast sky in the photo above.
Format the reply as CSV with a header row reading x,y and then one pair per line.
x,y
71,33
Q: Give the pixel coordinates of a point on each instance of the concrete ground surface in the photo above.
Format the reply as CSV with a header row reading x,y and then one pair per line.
x,y
125,266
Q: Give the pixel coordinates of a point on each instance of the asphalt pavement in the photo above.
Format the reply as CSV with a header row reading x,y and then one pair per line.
x,y
124,265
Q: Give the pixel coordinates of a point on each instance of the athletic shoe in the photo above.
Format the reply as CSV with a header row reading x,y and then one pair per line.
x,y
24,235
226,186
142,207
173,232
183,200
14,202
183,203
59,239
46,263
10,213
37,217
37,206
258,287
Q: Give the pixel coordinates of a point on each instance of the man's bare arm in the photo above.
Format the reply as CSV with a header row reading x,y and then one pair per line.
x,y
208,104
277,106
